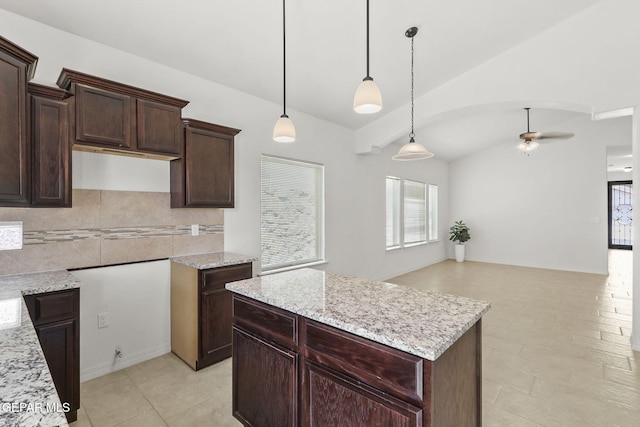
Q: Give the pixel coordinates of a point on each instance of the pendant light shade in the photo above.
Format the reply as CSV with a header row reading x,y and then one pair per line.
x,y
284,131
368,98
412,150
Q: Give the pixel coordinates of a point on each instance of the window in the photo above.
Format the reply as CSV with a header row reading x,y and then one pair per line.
x,y
415,212
433,212
409,221
291,213
393,211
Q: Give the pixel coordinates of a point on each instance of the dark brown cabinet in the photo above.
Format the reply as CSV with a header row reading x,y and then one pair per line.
x,y
55,316
17,67
263,370
116,118
304,373
204,176
201,314
265,365
50,147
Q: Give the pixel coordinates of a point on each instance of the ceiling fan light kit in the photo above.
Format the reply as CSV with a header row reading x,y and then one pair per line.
x,y
529,139
284,131
368,98
412,150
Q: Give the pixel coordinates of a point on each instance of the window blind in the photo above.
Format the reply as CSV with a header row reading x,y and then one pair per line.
x,y
292,210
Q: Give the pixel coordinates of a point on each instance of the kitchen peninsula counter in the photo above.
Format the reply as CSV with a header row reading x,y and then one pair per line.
x,y
28,395
388,353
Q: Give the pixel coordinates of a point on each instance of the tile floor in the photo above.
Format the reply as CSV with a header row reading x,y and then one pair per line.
x,y
555,353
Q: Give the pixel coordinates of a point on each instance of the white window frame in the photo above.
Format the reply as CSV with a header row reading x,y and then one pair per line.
x,y
319,217
433,200
396,210
399,224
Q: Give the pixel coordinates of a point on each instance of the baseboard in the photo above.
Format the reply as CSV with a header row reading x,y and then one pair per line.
x,y
635,342
120,363
410,269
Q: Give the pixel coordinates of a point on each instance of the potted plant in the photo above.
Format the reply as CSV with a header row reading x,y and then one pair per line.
x,y
459,233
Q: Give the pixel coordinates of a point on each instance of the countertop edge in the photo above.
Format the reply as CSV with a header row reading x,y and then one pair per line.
x,y
213,260
427,353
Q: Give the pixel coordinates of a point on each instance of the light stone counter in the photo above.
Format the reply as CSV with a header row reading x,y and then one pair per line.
x,y
28,396
420,322
213,260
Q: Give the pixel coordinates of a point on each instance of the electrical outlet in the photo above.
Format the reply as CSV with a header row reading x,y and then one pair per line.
x,y
195,229
10,235
103,320
119,352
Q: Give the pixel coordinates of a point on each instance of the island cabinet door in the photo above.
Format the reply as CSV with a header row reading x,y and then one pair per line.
x,y
265,382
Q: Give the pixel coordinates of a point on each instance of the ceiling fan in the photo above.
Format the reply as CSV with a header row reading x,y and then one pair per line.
x,y
530,139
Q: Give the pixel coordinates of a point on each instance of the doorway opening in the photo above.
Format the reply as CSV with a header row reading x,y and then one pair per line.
x,y
620,201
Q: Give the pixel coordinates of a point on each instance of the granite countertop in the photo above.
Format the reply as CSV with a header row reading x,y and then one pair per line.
x,y
420,322
28,396
213,260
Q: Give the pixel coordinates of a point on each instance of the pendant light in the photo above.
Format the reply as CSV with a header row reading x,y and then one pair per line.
x,y
412,150
367,99
284,131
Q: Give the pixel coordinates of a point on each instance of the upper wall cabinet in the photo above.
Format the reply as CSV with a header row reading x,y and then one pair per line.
x,y
50,146
204,176
116,118
17,67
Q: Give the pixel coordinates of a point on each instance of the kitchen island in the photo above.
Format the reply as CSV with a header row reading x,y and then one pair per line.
x,y
312,348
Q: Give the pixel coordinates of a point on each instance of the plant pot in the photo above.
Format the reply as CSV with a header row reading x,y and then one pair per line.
x,y
459,251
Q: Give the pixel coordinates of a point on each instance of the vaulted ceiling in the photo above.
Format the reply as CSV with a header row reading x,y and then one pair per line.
x,y
239,44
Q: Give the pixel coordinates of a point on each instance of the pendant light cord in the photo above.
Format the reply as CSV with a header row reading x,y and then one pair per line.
x,y
412,134
284,60
368,39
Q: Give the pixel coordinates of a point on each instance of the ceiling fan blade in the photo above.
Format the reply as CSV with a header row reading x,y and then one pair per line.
x,y
555,135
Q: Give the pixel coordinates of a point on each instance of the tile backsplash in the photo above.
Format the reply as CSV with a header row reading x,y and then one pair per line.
x,y
109,227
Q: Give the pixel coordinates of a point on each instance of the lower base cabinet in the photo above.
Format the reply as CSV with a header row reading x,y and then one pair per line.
x,y
289,370
201,312
55,316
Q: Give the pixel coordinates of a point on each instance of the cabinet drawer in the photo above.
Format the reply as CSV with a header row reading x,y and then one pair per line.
x,y
53,306
216,278
277,325
396,372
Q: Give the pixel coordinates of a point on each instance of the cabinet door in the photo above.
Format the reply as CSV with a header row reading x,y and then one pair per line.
x,y
216,312
59,343
159,127
215,325
14,188
264,382
51,152
332,399
103,118
209,169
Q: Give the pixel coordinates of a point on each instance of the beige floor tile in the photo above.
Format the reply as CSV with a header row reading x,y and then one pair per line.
x,y
501,418
148,418
148,370
555,353
111,400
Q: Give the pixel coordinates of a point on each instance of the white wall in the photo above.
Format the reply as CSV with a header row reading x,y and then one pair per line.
x,y
547,210
355,190
136,300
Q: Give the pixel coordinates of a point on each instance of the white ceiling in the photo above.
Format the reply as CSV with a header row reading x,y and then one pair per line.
x,y
239,44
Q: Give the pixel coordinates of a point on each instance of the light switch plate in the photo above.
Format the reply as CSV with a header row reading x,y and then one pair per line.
x,y
10,235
